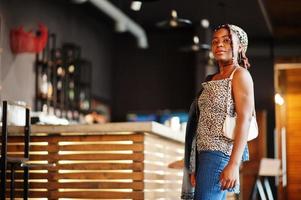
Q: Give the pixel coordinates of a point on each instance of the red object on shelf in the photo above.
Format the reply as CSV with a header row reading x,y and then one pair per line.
x,y
22,41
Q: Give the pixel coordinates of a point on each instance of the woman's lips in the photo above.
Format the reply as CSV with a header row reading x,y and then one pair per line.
x,y
220,52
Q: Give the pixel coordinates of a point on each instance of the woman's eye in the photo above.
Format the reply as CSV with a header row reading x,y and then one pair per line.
x,y
214,42
227,41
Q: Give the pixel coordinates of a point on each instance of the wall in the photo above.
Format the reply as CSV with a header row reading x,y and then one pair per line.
x,y
160,77
71,23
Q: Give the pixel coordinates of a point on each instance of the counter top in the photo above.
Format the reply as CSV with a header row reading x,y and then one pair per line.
x,y
108,128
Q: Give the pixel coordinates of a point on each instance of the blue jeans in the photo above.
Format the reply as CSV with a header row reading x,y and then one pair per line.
x,y
210,164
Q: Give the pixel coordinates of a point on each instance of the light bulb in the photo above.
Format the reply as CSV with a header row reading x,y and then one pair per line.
x,y
174,14
279,99
205,23
196,40
136,5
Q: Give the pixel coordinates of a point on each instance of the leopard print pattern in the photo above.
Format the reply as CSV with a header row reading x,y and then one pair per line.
x,y
213,106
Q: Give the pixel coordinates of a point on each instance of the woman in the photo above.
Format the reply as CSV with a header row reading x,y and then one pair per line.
x,y
213,168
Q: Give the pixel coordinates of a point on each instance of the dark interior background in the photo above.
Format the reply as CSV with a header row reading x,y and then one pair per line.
x,y
131,79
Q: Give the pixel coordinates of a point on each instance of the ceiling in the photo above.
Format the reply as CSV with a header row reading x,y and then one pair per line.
x,y
286,18
259,18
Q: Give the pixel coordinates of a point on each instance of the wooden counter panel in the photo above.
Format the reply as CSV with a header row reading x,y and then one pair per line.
x,y
160,181
87,166
110,161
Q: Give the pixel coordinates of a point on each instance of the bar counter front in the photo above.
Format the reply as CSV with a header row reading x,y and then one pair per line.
x,y
110,161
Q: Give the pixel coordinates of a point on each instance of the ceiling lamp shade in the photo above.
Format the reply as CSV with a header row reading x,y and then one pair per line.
x,y
174,21
144,1
137,4
195,46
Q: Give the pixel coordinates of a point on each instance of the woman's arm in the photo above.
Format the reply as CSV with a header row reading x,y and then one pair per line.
x,y
243,93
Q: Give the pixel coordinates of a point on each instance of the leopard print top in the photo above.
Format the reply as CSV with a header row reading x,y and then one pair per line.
x,y
213,105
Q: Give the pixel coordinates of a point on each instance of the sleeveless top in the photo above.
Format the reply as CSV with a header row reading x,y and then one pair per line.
x,y
213,104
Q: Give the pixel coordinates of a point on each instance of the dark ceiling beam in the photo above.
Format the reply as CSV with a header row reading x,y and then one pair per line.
x,y
265,16
289,32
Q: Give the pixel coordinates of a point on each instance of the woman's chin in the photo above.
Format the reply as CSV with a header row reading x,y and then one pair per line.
x,y
221,59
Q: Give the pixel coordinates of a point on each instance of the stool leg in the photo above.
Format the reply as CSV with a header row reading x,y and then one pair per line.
x,y
3,179
260,189
25,183
12,181
26,154
268,189
3,150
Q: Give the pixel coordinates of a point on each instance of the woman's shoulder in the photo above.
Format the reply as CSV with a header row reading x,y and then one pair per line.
x,y
242,74
242,78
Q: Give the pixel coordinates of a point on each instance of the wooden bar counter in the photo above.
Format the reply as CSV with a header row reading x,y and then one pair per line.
x,y
110,161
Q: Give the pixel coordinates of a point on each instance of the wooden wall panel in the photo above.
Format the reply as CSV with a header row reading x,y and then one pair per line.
x,y
293,122
288,118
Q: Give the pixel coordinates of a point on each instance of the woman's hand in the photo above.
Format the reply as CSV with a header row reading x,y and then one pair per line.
x,y
229,176
192,179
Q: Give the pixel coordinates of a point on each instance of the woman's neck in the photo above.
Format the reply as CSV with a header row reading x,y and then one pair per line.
x,y
225,68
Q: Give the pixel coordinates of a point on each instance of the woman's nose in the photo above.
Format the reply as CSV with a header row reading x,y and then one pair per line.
x,y
220,43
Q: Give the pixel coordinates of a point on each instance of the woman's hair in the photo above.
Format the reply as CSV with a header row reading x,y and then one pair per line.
x,y
243,41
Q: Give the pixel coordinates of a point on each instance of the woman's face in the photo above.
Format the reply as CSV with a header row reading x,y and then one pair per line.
x,y
221,45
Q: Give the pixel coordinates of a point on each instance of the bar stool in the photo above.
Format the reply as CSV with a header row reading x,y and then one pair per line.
x,y
14,162
268,168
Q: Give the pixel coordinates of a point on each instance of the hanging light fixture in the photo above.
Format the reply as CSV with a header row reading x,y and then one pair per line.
x,y
174,21
137,4
195,46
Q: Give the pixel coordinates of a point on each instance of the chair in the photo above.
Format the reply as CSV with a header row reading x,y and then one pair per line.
x,y
14,162
268,168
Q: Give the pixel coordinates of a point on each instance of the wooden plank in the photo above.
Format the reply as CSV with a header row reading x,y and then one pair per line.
x,y
109,128
102,147
165,194
166,158
98,138
100,175
136,137
19,176
134,157
84,185
20,148
173,185
101,166
162,176
99,195
32,194
168,144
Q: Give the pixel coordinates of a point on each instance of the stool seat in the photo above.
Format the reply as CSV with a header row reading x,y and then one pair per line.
x,y
37,165
16,160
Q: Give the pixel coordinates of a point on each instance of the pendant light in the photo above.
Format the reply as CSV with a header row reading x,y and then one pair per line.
x,y
195,46
137,4
174,21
